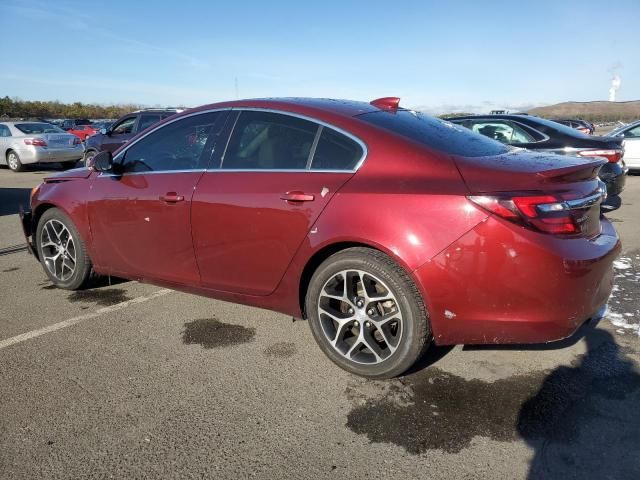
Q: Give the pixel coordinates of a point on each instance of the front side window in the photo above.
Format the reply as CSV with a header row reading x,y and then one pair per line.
x,y
125,126
147,120
503,131
176,146
336,151
269,141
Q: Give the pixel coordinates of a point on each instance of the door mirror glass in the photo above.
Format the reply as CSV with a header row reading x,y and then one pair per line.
x,y
104,131
101,162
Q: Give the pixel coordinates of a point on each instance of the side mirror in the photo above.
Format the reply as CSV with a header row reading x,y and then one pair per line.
x,y
101,162
103,131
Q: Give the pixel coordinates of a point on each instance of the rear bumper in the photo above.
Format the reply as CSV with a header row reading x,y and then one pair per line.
x,y
505,284
26,220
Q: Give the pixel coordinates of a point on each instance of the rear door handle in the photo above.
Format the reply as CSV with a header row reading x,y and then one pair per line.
x,y
171,197
297,197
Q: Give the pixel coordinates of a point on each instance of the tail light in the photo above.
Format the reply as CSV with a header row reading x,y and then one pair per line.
x,y
76,141
36,142
551,214
612,155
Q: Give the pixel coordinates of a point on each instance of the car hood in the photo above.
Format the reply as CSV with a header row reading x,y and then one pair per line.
x,y
73,174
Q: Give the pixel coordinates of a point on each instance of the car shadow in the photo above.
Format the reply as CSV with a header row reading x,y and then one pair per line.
x,y
583,421
12,198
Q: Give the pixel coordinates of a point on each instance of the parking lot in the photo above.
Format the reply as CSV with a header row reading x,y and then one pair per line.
x,y
126,380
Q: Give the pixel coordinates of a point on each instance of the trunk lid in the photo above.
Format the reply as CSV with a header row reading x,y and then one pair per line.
x,y
549,193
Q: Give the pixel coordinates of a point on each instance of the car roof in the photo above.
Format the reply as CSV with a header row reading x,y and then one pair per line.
x,y
343,108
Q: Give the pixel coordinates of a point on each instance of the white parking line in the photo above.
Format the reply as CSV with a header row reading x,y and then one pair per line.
x,y
81,318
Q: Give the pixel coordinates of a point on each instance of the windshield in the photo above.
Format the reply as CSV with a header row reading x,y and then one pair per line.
x,y
435,133
30,128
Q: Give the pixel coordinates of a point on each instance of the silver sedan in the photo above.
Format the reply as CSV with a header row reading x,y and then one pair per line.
x,y
631,135
26,142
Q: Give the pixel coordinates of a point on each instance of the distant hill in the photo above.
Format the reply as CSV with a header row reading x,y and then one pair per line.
x,y
593,111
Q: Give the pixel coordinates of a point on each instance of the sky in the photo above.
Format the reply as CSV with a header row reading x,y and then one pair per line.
x,y
438,56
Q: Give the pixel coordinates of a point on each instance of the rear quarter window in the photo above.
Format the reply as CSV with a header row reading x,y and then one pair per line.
x,y
434,133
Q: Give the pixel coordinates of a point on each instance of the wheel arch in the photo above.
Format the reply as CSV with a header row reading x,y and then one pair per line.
x,y
325,252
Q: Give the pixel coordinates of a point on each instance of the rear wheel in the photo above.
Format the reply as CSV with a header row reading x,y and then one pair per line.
x,y
61,250
13,161
366,313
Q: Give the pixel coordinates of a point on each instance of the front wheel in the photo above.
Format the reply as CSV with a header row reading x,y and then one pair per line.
x,y
88,156
61,250
366,313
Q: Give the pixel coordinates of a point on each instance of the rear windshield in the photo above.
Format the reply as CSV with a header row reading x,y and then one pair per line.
x,y
435,133
30,128
82,121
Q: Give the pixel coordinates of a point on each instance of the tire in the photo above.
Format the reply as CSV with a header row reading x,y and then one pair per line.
x,y
13,161
88,155
68,165
366,345
53,231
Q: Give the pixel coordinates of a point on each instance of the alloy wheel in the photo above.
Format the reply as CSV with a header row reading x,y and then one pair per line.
x,y
360,316
58,250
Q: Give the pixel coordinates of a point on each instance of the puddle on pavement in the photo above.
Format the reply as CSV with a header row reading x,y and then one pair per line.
x,y
433,409
281,350
211,333
12,269
100,297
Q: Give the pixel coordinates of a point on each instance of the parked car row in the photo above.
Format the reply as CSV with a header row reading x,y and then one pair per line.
x,y
387,229
27,142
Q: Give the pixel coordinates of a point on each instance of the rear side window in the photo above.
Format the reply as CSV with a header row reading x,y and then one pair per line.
x,y
269,141
4,131
148,120
177,146
437,134
336,151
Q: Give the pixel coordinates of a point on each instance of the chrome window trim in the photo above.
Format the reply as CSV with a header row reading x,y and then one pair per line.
x,y
153,172
357,166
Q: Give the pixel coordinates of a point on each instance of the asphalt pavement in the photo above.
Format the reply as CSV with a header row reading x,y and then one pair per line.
x,y
126,380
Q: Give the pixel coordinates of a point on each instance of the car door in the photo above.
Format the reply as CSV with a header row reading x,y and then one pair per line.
x,y
120,133
140,212
632,146
251,214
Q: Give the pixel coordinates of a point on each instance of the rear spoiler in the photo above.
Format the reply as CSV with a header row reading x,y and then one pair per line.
x,y
573,173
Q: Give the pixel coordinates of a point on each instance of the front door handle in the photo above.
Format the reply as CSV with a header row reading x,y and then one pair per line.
x,y
297,197
171,197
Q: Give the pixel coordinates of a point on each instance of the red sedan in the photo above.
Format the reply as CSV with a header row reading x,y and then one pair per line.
x,y
387,229
82,131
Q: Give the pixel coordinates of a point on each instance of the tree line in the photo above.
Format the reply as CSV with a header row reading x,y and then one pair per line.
x,y
16,108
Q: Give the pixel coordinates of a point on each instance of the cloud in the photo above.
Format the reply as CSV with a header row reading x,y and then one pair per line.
x,y
79,21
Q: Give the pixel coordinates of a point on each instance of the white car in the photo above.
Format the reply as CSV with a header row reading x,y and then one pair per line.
x,y
37,142
631,135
